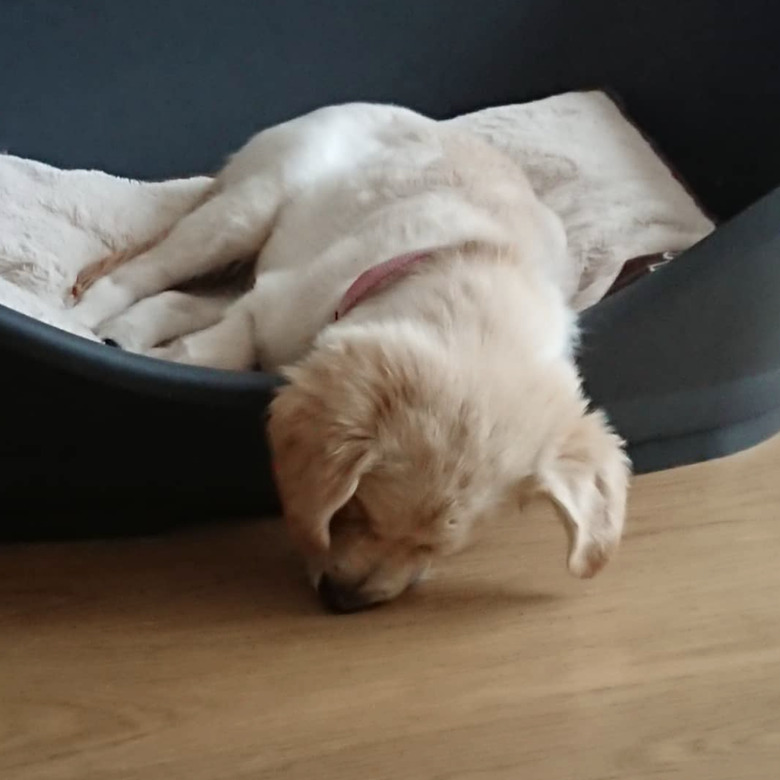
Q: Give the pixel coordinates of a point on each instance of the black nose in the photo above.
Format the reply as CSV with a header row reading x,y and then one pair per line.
x,y
341,598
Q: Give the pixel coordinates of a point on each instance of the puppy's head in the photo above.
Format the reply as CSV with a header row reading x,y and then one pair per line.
x,y
387,455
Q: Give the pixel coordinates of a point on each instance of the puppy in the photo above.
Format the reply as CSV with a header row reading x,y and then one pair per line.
x,y
416,293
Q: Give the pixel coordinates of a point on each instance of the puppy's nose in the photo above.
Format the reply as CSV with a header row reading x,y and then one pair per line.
x,y
341,598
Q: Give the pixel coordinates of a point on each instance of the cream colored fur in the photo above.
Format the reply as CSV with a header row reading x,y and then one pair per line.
x,y
438,400
334,192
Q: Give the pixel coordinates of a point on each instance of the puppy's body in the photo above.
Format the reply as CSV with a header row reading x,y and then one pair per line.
x,y
440,396
326,196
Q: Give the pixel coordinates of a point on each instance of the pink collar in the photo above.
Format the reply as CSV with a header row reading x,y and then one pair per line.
x,y
376,277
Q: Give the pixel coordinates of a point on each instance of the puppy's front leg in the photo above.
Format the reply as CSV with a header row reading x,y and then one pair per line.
x,y
231,225
162,317
230,344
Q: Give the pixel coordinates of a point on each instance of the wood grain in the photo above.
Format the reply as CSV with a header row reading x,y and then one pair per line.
x,y
204,655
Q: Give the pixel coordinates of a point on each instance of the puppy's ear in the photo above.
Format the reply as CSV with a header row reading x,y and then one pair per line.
x,y
586,474
319,453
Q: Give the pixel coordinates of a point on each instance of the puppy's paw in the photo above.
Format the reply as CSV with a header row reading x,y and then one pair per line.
x,y
124,333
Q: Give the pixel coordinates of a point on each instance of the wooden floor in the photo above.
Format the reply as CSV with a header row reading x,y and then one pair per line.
x,y
204,655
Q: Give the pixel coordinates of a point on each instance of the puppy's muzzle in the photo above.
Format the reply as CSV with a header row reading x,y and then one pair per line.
x,y
341,598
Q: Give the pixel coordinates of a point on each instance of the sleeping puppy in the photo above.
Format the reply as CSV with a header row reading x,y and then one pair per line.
x,y
416,293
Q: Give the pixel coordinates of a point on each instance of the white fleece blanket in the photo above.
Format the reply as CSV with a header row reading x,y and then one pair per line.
x,y
616,197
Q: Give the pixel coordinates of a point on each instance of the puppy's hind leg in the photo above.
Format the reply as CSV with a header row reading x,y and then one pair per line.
x,y
230,226
94,271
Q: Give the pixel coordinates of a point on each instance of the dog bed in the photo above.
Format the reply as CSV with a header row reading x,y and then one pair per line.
x,y
686,361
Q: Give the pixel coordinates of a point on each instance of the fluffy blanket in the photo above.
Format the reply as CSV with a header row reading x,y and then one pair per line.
x,y
617,199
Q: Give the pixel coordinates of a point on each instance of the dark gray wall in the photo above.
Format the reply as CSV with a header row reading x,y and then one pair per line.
x,y
156,88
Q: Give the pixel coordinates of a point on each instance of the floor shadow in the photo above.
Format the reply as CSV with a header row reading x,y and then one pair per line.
x,y
234,575
231,573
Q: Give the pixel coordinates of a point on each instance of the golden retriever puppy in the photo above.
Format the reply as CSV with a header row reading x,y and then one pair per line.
x,y
416,294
